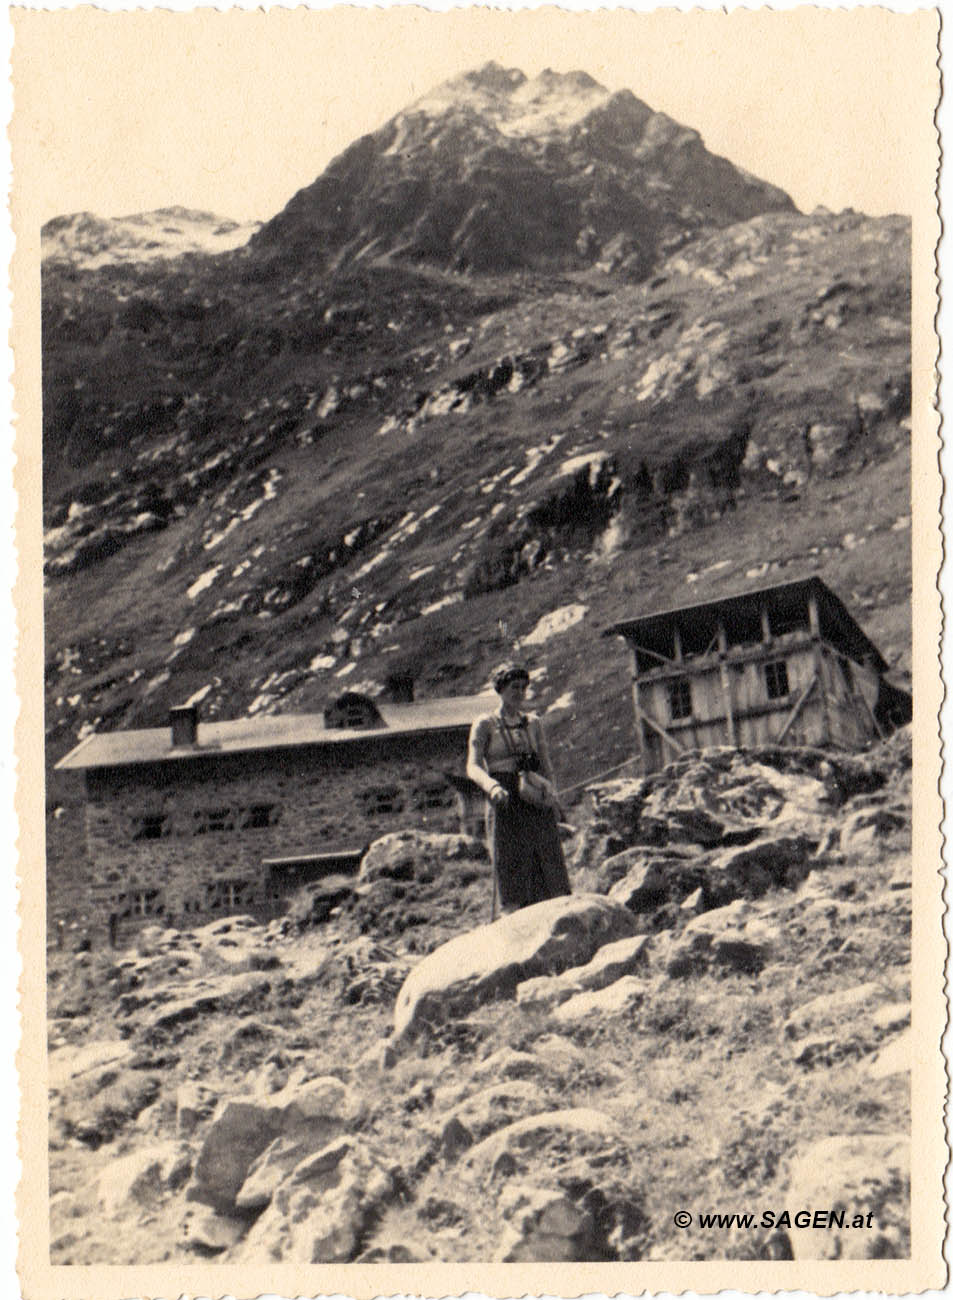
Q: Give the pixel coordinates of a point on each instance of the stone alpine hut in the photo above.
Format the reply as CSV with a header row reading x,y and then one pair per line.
x,y
200,819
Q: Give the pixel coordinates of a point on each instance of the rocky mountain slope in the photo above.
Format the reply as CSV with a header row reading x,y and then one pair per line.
x,y
715,1021
82,240
266,480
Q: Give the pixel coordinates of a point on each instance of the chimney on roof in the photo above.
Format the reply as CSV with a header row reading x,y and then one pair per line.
x,y
400,688
184,721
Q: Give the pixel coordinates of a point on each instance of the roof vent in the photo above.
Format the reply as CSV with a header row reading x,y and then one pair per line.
x,y
184,721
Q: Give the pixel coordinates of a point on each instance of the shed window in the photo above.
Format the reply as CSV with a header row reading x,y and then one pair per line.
x,y
382,799
776,679
680,698
150,826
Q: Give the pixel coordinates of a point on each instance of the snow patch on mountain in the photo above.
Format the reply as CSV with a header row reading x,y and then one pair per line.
x,y
552,624
91,241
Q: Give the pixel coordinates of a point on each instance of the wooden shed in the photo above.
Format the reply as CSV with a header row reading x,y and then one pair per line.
x,y
784,664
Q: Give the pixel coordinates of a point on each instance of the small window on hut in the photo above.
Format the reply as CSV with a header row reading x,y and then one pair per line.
x,y
213,819
226,895
680,698
382,799
258,816
433,794
776,679
150,826
146,902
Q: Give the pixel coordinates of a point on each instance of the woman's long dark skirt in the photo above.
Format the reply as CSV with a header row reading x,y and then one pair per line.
x,y
526,850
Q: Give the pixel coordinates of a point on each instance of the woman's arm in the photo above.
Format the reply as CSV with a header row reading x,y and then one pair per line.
x,y
476,758
542,749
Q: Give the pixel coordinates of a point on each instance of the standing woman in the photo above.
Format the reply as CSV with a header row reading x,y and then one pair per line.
x,y
524,837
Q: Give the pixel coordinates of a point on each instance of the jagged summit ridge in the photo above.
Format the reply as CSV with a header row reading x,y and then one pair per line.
x,y
492,171
516,105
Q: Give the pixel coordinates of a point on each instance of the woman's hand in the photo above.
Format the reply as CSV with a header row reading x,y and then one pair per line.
x,y
499,796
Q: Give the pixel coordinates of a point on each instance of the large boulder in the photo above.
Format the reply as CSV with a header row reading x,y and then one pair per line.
x,y
865,1174
322,1210
489,962
307,1114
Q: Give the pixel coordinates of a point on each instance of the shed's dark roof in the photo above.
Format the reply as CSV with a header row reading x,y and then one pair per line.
x,y
839,626
279,731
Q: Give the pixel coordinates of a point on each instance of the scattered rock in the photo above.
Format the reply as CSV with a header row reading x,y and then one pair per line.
x,y
868,825
609,964
750,872
141,1178
495,1107
71,1062
243,1127
95,1115
321,1210
895,1058
416,855
194,1102
615,999
544,1226
861,1174
245,990
521,1145
833,1009
208,1233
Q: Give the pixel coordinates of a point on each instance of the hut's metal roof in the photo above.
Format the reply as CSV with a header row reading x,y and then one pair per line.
x,y
278,731
838,625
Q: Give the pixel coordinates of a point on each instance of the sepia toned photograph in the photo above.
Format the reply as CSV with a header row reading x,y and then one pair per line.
x,y
479,528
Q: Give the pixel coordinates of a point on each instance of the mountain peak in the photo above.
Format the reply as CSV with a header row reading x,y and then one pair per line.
x,y
495,171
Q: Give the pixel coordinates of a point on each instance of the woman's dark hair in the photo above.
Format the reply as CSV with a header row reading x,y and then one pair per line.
x,y
509,672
